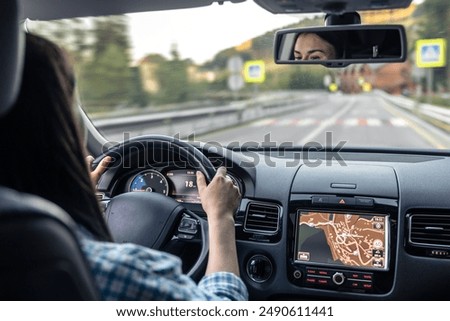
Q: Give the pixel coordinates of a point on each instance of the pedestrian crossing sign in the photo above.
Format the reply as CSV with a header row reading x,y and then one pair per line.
x,y
430,53
254,71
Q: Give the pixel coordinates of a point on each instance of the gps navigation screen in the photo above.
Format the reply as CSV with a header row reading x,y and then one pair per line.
x,y
343,239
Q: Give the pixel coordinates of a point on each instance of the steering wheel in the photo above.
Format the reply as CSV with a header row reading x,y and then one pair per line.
x,y
152,219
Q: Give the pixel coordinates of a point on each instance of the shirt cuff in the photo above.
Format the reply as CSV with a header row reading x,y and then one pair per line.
x,y
224,285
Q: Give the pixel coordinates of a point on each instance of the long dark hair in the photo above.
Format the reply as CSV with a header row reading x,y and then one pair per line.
x,y
41,150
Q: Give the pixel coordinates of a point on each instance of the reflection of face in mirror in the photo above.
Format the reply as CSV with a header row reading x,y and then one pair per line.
x,y
310,46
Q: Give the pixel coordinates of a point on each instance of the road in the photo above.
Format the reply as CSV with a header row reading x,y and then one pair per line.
x,y
355,120
363,120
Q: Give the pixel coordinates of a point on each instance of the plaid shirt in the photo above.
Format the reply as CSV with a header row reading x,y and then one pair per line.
x,y
133,272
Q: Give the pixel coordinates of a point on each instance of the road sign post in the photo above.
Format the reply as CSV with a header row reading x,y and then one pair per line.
x,y
431,53
235,81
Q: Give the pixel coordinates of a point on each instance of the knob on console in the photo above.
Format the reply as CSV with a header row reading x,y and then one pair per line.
x,y
338,278
259,268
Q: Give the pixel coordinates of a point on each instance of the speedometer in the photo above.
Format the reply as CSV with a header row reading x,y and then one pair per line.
x,y
149,181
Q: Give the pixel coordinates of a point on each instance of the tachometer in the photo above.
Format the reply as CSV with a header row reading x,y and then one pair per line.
x,y
149,181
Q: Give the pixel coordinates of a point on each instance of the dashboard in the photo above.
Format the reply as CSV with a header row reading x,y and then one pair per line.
x,y
366,226
179,184
173,181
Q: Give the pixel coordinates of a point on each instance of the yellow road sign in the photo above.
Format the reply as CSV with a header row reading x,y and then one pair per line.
x,y
366,87
333,87
430,53
255,71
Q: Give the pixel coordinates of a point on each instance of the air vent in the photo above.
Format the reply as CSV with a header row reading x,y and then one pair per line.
x,y
430,230
262,218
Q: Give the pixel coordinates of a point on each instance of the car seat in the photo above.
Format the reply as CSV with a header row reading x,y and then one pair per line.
x,y
40,257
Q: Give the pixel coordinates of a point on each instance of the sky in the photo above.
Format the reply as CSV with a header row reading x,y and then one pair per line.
x,y
201,32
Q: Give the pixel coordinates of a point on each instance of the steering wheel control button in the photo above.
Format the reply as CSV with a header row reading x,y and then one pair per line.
x,y
188,225
338,278
183,236
259,268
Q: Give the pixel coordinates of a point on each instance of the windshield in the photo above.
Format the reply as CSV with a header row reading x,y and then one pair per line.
x,y
208,74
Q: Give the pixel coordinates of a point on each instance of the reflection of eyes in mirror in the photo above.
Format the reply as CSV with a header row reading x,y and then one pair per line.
x,y
339,46
311,46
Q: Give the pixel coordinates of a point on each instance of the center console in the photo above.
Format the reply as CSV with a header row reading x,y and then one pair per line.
x,y
343,238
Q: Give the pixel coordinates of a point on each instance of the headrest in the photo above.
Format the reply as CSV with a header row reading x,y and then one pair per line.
x,y
11,54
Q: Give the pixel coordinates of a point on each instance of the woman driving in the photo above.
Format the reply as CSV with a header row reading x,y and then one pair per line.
x,y
43,155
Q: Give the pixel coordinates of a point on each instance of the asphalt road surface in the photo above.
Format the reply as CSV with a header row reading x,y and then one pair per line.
x,y
354,120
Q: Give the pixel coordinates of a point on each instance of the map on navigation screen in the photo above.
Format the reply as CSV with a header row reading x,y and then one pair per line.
x,y
349,239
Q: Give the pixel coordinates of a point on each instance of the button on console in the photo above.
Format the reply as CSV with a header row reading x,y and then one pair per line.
x,y
360,201
338,278
320,200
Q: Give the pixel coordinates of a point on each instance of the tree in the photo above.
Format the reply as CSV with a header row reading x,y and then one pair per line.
x,y
108,30
138,96
173,79
106,78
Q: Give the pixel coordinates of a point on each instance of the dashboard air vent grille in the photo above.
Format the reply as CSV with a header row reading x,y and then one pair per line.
x,y
262,217
430,229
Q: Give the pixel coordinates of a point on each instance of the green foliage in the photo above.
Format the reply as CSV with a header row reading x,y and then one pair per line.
x,y
437,19
436,24
172,76
106,80
100,50
110,30
307,78
138,96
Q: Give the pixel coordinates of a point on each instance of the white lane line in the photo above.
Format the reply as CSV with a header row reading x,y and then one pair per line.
x,y
306,122
326,123
398,122
373,122
263,122
284,122
350,122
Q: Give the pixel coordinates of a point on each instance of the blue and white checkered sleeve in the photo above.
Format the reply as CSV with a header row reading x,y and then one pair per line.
x,y
132,272
224,286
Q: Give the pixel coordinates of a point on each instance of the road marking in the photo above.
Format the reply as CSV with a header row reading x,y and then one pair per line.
x,y
362,122
419,130
326,123
399,122
306,122
263,122
373,122
285,122
351,122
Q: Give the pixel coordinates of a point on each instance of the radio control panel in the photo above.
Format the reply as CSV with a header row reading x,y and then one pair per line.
x,y
333,279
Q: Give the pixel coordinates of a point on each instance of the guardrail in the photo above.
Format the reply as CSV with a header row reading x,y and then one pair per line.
x,y
204,120
438,116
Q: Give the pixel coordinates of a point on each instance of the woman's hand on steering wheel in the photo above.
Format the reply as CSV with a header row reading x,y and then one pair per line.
x,y
220,198
99,170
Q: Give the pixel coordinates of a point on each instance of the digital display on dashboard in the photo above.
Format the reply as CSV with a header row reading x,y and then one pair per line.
x,y
183,185
356,240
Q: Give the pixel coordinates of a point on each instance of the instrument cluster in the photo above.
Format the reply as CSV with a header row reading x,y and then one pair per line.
x,y
180,184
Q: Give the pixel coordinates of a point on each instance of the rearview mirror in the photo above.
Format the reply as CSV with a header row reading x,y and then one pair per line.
x,y
340,46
